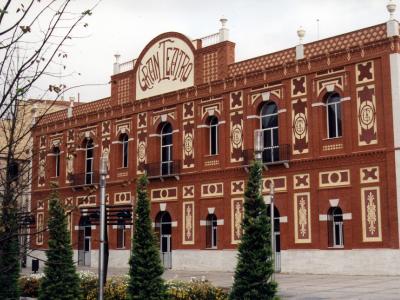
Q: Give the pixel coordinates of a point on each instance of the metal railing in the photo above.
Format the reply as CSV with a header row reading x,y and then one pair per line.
x,y
271,156
209,40
81,179
163,169
127,66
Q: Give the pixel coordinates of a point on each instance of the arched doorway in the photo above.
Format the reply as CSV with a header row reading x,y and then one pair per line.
x,y
277,236
84,241
164,230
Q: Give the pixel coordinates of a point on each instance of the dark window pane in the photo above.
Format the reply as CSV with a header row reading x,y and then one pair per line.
x,y
125,155
339,118
213,140
267,138
87,244
275,137
331,121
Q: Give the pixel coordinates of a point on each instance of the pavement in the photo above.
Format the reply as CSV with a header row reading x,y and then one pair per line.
x,y
301,286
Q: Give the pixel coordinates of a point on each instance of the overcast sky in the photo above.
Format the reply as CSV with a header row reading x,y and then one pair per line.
x,y
256,26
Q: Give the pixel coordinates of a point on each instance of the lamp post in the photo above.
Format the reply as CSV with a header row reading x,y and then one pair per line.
x,y
258,150
103,174
271,193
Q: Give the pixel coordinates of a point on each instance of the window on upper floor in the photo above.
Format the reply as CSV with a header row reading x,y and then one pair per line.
x,y
166,149
89,157
124,140
335,227
57,156
333,115
213,135
211,231
269,126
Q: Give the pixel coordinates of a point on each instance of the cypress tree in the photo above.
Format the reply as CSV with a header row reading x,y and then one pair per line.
x,y
253,274
60,279
145,264
9,255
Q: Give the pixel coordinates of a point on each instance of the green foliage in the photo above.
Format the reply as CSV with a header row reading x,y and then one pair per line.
x,y
60,279
253,275
116,288
9,253
145,264
195,290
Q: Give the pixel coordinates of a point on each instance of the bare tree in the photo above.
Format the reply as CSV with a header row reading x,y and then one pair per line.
x,y
34,36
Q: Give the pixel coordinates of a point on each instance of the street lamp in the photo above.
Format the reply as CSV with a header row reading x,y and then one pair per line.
x,y
258,144
103,174
272,193
258,150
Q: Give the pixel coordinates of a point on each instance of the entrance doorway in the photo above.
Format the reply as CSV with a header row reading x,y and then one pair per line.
x,y
277,236
85,241
164,230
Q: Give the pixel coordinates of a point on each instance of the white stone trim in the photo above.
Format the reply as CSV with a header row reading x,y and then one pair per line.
x,y
116,226
163,206
283,219
345,99
318,104
211,210
154,135
323,218
334,202
395,84
174,224
220,222
203,126
267,199
253,117
347,216
203,222
283,110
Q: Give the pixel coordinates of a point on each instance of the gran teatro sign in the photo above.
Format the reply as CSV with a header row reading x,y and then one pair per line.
x,y
168,65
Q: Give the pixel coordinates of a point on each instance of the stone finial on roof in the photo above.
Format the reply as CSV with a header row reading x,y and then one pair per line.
x,y
223,32
391,8
300,47
301,33
116,63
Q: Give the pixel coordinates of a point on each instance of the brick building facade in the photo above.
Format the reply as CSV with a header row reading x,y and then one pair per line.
x,y
185,113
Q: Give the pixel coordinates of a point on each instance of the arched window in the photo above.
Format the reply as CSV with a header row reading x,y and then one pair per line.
x,y
269,126
121,234
333,115
56,152
211,231
166,149
163,229
124,150
213,125
335,227
89,148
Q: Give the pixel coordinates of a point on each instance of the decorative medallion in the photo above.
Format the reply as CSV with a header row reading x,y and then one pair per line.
x,y
366,103
300,126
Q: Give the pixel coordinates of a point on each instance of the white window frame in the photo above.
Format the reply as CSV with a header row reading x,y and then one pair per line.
x,y
167,162
91,160
271,129
57,156
125,142
335,109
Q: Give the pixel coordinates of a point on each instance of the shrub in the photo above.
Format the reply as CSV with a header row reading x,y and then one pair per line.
x,y
29,286
195,290
117,286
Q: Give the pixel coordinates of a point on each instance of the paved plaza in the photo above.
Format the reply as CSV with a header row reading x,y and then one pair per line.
x,y
300,286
